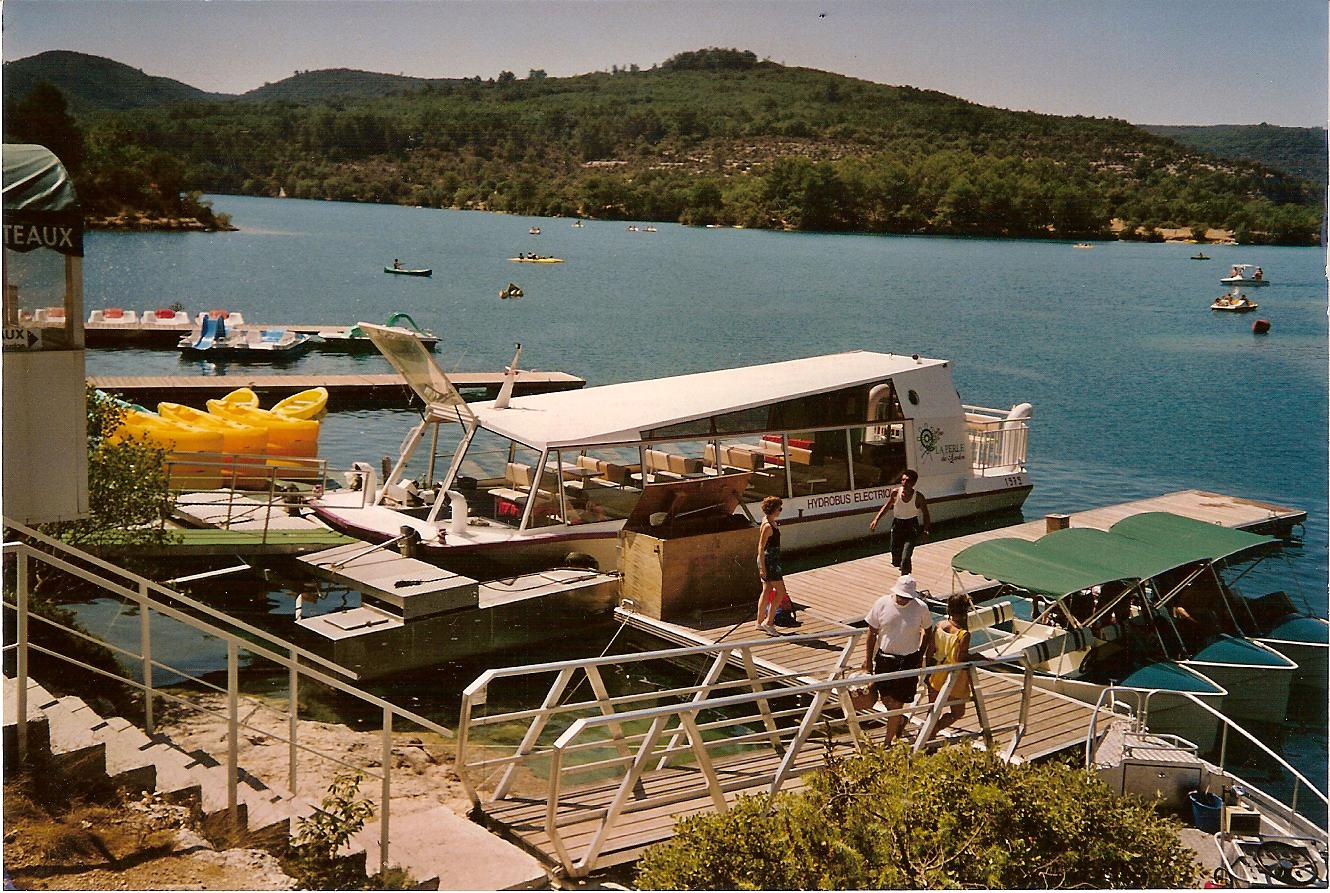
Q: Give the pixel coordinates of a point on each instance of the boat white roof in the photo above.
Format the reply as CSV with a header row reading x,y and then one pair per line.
x,y
621,413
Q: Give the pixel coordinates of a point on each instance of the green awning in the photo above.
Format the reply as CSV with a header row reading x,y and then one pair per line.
x,y
41,207
1068,560
1188,536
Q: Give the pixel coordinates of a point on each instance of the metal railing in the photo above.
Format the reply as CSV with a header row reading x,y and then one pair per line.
x,y
997,443
154,600
1138,701
621,742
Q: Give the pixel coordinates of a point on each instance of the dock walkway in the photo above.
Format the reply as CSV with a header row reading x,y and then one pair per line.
x,y
344,391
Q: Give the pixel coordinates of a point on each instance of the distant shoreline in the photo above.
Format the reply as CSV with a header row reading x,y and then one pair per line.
x,y
144,223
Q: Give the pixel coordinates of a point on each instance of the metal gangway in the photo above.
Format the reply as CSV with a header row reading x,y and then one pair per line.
x,y
596,778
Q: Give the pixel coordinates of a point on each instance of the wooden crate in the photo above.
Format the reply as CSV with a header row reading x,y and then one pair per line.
x,y
674,578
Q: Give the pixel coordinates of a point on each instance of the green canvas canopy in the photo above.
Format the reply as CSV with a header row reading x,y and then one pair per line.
x,y
1189,537
1068,560
41,207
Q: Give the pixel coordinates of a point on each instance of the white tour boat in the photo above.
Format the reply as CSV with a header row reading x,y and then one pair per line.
x,y
1246,274
525,481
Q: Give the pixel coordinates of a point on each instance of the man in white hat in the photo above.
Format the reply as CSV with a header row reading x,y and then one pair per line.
x,y
899,629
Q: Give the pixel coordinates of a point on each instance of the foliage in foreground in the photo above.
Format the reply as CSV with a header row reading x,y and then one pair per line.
x,y
128,486
889,818
313,856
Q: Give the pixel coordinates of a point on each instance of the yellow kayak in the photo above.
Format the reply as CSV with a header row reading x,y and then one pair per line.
x,y
242,397
286,436
245,445
308,404
176,438
536,260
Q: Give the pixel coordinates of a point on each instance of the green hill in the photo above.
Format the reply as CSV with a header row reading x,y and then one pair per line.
x,y
712,136
1300,151
337,83
92,83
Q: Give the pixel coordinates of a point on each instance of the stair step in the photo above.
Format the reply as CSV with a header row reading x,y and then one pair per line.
x,y
442,850
128,761
39,731
75,751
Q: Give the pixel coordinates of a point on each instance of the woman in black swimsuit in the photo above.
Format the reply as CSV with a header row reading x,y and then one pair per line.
x,y
768,567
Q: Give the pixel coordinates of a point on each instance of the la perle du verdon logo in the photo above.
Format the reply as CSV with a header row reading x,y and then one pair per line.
x,y
930,441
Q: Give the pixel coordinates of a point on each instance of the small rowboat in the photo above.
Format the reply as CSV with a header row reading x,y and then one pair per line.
x,y
404,272
308,404
536,260
1234,304
1200,255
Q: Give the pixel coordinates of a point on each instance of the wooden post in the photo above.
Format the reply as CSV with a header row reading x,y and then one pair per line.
x,y
1056,522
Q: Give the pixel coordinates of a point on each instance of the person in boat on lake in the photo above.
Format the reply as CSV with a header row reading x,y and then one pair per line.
x,y
899,630
1259,273
768,567
911,508
397,264
951,645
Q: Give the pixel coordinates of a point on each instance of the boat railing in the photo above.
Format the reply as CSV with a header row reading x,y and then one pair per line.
x,y
41,564
1139,701
659,748
250,491
997,443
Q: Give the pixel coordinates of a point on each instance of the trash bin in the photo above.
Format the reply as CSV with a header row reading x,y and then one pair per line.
x,y
1205,809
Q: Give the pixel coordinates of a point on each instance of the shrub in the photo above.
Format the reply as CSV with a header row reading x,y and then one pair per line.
x,y
957,818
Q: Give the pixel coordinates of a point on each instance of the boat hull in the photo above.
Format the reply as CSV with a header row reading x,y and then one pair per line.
x,y
1257,678
408,272
1245,283
811,522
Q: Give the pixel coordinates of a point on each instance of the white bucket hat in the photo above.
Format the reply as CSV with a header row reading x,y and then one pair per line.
x,y
906,587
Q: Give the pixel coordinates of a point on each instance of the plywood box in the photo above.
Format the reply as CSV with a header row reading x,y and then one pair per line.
x,y
670,579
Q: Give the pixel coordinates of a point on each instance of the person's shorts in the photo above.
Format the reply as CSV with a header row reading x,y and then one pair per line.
x,y
901,689
774,572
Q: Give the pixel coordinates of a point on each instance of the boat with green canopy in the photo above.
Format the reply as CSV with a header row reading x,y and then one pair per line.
x,y
353,339
1274,618
1133,603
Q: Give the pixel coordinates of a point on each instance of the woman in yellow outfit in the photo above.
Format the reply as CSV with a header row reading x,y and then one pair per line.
x,y
951,645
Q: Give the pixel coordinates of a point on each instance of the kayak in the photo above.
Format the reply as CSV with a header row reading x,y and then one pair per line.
x,y
286,436
241,397
404,272
308,404
245,445
536,260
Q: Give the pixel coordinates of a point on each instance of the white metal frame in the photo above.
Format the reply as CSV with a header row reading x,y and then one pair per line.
x,y
606,736
150,597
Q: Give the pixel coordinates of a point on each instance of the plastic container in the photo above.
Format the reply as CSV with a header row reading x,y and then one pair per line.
x,y
1205,810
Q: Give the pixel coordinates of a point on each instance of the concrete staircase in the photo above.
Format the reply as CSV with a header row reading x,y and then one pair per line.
x,y
78,748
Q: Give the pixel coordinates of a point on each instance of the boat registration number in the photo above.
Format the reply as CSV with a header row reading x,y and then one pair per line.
x,y
1015,480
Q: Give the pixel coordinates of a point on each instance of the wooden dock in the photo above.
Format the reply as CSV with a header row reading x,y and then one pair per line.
x,y
344,391
166,336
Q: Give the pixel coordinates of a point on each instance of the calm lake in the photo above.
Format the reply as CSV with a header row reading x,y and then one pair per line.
x,y
1138,387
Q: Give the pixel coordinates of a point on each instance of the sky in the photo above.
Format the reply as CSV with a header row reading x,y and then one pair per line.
x,y
1147,61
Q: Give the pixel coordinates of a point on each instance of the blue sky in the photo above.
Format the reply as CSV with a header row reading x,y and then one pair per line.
x,y
1148,61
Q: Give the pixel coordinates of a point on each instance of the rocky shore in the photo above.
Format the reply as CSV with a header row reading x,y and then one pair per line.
x,y
143,222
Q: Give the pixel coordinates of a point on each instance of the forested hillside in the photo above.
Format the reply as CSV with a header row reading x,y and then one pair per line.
x,y
716,136
1300,151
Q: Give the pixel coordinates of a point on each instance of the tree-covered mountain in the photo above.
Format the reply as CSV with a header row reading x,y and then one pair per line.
x,y
709,136
92,83
306,87
1300,151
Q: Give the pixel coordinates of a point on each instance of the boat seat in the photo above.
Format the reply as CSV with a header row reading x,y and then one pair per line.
x,y
1072,640
991,615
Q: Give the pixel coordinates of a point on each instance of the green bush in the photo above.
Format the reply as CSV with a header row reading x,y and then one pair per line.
x,y
957,818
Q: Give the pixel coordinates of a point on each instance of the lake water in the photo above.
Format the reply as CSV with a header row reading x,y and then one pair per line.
x,y
1138,388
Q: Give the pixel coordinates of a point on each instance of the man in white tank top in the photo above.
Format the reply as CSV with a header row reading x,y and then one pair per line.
x,y
906,527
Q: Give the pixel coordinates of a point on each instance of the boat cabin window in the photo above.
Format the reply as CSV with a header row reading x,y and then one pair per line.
x,y
598,484
498,477
731,455
845,406
818,461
